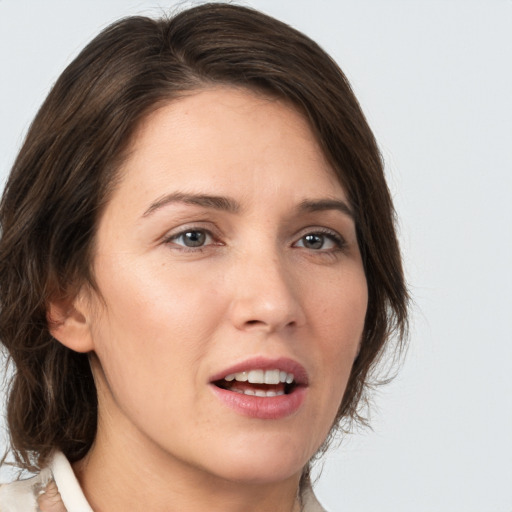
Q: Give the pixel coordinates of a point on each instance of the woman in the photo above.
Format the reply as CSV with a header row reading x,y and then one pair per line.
x,y
199,270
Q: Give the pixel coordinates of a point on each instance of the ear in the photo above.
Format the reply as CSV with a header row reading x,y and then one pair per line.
x,y
68,323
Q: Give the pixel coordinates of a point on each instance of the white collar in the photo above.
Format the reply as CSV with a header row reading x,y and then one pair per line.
x,y
69,488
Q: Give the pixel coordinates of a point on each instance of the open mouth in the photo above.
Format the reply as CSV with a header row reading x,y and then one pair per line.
x,y
259,382
263,388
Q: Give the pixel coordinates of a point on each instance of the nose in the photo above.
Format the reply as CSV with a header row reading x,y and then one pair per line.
x,y
266,294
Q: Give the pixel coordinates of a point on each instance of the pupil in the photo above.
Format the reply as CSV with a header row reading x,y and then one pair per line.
x,y
194,238
314,241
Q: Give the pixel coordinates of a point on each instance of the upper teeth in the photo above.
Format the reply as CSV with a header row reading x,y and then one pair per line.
x,y
262,377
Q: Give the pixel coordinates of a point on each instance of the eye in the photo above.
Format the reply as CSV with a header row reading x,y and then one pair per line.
x,y
320,241
191,238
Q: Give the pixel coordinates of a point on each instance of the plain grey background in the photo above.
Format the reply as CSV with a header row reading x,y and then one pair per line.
x,y
435,80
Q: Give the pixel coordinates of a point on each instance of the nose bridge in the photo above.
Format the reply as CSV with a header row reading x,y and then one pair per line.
x,y
265,291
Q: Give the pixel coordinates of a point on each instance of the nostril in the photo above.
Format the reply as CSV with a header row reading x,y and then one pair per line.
x,y
259,323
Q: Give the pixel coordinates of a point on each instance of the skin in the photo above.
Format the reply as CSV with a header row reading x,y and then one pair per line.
x,y
50,500
171,316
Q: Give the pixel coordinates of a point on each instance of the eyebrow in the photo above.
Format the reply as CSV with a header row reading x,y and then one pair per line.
x,y
204,200
232,206
317,205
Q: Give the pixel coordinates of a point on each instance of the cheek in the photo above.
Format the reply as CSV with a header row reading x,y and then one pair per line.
x,y
340,314
156,323
339,320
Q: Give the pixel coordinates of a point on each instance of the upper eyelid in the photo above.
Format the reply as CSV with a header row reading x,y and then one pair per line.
x,y
191,230
320,229
180,230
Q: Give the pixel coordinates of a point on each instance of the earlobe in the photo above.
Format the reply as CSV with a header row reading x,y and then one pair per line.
x,y
68,324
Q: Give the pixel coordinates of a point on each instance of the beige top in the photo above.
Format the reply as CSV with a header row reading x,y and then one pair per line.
x,y
21,496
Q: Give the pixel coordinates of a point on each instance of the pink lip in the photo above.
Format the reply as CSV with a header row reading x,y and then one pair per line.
x,y
267,408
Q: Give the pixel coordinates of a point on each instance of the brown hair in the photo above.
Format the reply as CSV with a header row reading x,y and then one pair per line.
x,y
68,165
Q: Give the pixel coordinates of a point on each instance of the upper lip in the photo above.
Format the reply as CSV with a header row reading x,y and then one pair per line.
x,y
262,363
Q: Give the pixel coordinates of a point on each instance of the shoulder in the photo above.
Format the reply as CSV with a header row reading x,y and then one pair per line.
x,y
21,495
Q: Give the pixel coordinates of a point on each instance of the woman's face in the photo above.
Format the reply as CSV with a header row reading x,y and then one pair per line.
x,y
227,252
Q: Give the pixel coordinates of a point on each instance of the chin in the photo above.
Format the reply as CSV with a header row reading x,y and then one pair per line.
x,y
264,462
260,474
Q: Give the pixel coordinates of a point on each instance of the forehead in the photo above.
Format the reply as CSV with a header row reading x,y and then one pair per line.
x,y
230,139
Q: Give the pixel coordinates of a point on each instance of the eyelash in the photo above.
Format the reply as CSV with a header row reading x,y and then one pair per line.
x,y
171,239
338,241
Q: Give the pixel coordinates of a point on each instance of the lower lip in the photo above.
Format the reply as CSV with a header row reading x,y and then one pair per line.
x,y
265,408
